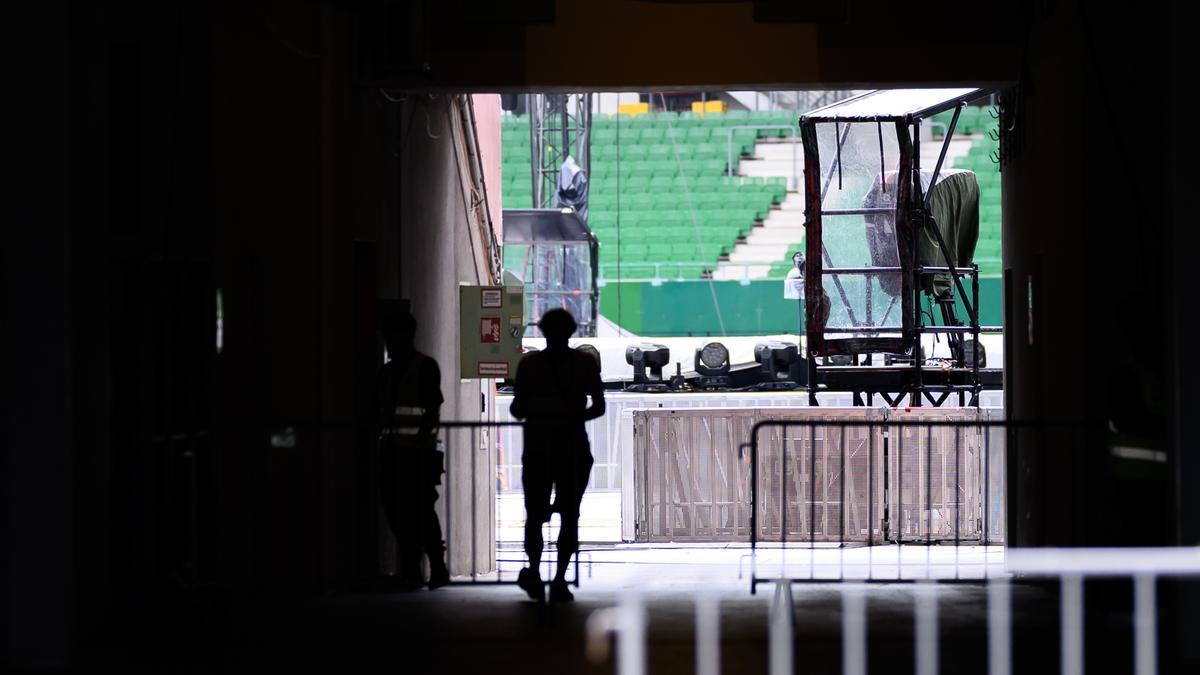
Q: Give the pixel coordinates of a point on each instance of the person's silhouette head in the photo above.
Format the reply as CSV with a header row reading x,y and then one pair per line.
x,y
557,325
399,331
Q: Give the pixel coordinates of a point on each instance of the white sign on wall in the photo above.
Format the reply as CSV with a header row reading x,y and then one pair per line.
x,y
491,324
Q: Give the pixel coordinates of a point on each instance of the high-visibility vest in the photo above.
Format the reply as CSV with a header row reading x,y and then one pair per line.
x,y
401,407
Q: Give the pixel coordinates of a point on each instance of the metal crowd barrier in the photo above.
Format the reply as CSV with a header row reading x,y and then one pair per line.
x,y
908,448
1145,566
832,475
483,456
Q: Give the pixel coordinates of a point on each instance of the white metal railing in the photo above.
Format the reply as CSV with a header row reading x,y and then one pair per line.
x,y
673,271
1070,566
659,268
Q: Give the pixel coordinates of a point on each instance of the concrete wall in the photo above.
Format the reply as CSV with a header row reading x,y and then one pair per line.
x,y
487,129
1089,195
184,150
437,256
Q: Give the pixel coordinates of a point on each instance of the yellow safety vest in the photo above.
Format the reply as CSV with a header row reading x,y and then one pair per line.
x,y
401,411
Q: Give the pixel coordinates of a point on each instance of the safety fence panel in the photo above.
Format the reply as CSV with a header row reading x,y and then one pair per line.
x,y
844,475
692,482
937,472
824,472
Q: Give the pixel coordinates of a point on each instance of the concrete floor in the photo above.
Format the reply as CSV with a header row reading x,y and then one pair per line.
x,y
491,628
494,629
683,568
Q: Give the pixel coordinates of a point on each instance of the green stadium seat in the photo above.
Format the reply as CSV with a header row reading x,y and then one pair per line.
x,y
665,200
642,170
667,168
608,121
684,252
602,219
681,152
650,135
604,152
655,233
636,184
699,134
658,252
702,201
682,183
632,153
633,236
675,219
644,201
660,152
660,183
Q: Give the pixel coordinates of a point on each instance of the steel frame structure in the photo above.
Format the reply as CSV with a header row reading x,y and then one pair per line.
x,y
912,218
559,127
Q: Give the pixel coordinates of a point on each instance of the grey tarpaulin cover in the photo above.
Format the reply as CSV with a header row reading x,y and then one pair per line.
x,y
954,207
572,188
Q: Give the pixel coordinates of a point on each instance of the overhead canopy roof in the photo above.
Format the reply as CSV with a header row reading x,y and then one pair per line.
x,y
895,104
544,226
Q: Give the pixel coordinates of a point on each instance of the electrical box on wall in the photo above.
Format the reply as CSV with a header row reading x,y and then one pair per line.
x,y
491,322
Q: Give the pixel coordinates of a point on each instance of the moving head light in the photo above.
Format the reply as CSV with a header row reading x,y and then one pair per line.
x,y
712,365
776,359
590,351
643,356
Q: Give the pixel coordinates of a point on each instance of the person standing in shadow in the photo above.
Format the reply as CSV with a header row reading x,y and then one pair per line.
x,y
551,393
410,464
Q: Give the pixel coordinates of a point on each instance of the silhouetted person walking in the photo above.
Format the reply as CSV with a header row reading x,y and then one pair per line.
x,y
410,465
551,392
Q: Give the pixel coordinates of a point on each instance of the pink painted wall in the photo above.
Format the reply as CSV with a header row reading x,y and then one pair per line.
x,y
487,128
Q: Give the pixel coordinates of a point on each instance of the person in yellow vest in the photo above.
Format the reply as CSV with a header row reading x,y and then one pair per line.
x,y
551,393
410,464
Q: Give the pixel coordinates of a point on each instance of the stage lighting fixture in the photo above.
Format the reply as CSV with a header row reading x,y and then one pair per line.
x,y
643,356
712,365
776,359
590,351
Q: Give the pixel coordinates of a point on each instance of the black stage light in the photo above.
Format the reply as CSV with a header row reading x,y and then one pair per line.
x,y
776,359
590,351
643,356
712,365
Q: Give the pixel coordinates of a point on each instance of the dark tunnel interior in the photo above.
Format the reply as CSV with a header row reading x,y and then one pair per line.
x,y
214,199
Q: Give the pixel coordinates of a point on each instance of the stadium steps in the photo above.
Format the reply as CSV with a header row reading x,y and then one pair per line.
x,y
781,232
766,251
773,158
